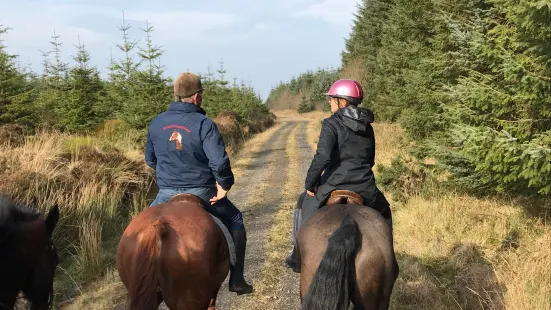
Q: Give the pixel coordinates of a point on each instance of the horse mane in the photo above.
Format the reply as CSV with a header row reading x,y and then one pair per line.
x,y
12,213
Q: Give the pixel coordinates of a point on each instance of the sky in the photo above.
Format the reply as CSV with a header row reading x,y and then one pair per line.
x,y
261,42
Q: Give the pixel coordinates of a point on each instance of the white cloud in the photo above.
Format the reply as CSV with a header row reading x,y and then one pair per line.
x,y
33,27
264,27
338,12
286,4
182,25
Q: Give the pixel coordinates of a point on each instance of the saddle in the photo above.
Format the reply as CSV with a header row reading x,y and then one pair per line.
x,y
344,197
229,239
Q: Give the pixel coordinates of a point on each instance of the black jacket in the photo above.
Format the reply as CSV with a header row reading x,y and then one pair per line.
x,y
345,154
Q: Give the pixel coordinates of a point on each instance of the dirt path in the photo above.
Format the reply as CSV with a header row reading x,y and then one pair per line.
x,y
264,190
266,195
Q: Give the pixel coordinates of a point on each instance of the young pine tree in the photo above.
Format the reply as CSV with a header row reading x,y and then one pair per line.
x,y
150,94
16,100
53,89
85,94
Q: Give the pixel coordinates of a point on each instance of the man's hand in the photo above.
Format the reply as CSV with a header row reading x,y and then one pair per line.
x,y
220,194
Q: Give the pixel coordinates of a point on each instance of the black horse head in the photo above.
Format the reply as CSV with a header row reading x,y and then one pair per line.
x,y
28,256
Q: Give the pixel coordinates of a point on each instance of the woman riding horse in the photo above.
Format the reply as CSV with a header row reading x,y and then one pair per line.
x,y
345,155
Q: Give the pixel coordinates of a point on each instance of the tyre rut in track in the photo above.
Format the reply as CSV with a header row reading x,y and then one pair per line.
x,y
288,286
258,198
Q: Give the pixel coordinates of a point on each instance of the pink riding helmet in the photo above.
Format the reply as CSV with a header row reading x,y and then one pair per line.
x,y
347,89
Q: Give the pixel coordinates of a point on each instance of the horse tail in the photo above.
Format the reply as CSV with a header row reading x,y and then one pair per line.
x,y
330,288
144,276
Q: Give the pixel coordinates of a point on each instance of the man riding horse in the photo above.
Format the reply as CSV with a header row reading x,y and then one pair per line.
x,y
345,155
188,154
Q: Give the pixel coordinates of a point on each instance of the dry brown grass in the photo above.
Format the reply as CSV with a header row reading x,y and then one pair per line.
x,y
506,264
100,181
105,294
89,254
97,186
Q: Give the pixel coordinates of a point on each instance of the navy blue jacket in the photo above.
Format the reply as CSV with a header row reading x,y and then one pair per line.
x,y
186,150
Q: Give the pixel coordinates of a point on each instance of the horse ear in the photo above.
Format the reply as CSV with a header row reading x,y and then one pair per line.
x,y
52,218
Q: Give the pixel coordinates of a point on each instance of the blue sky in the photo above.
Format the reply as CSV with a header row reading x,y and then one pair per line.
x,y
259,41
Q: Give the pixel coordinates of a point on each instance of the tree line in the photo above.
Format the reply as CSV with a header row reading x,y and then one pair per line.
x,y
73,97
468,80
310,87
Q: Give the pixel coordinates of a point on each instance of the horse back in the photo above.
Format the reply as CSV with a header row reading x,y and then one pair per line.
x,y
188,231
192,234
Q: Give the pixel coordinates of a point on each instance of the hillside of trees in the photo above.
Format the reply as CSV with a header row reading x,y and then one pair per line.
x,y
468,80
304,93
73,98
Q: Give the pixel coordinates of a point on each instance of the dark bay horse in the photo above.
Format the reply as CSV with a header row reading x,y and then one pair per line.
x,y
173,252
28,256
347,256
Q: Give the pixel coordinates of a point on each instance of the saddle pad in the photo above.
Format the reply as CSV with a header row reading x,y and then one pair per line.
x,y
229,239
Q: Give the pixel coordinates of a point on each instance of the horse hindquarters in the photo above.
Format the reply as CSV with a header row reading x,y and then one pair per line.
x,y
190,278
138,263
388,286
330,285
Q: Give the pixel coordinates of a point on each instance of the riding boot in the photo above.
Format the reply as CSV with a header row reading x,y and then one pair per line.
x,y
292,261
237,281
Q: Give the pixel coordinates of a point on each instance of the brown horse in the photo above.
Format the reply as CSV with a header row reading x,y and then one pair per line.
x,y
28,256
173,252
347,255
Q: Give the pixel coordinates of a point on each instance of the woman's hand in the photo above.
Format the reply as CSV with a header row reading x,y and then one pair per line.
x,y
312,194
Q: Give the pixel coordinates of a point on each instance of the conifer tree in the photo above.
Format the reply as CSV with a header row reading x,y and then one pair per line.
x,y
120,88
501,112
53,88
86,91
150,94
139,86
16,101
